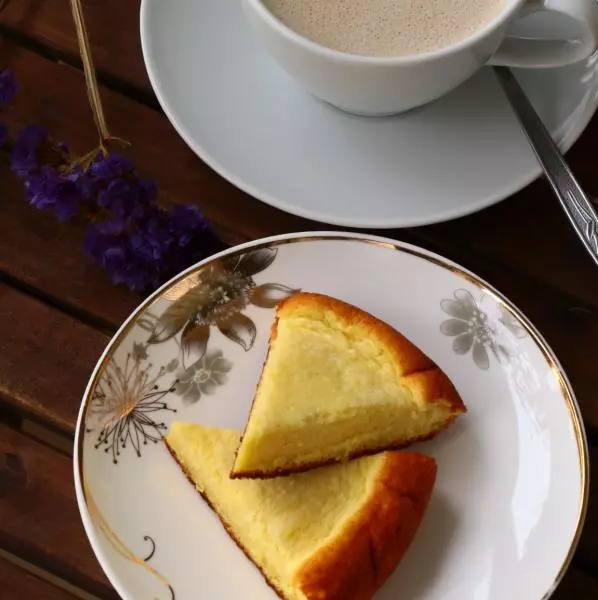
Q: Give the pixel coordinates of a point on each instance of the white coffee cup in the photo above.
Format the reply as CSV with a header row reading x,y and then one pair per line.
x,y
370,85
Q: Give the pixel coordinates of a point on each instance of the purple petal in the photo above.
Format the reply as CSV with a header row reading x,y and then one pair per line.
x,y
27,148
8,87
51,190
113,166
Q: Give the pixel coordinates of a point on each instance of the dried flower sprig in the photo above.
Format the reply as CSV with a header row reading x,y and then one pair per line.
x,y
140,244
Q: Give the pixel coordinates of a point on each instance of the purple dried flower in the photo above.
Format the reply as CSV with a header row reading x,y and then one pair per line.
x,y
107,168
3,134
118,251
193,236
52,190
186,222
107,242
123,196
27,150
138,243
8,87
151,239
151,245
110,243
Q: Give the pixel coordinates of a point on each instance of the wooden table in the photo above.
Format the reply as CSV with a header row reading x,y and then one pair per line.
x,y
58,310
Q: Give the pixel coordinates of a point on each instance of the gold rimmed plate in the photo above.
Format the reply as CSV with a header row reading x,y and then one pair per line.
x,y
512,487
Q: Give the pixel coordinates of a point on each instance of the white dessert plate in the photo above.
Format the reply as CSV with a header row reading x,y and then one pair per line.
x,y
250,122
512,487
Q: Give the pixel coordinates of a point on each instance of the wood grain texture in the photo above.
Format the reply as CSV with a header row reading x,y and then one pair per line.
x,y
156,148
39,518
47,358
576,585
47,254
50,21
18,584
529,234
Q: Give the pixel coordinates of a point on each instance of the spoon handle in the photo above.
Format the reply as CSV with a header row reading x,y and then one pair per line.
x,y
575,203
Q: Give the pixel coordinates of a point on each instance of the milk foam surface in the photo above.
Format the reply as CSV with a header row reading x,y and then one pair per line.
x,y
386,27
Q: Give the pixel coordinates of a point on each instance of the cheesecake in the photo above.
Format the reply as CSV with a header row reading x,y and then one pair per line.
x,y
334,533
338,383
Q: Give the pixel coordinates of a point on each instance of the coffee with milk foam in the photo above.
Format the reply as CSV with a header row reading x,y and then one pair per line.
x,y
386,27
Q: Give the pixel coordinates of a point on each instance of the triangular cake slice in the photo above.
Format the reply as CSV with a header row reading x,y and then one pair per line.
x,y
339,383
335,533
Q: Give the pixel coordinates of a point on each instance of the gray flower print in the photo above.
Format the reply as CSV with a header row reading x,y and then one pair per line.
x,y
471,330
139,352
203,376
511,323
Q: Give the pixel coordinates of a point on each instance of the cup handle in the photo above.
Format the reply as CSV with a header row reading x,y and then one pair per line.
x,y
538,53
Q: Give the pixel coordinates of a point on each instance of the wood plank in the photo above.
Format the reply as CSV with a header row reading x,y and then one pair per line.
x,y
45,253
529,233
576,585
39,518
62,106
47,358
18,583
51,22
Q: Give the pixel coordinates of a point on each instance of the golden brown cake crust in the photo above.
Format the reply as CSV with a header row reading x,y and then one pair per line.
x,y
408,357
359,561
420,374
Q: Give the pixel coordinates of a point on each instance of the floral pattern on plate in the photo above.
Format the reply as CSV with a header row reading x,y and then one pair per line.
x,y
203,376
217,297
477,330
131,397
127,401
123,406
196,348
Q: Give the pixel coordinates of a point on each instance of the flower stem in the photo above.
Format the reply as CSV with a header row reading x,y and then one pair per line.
x,y
91,81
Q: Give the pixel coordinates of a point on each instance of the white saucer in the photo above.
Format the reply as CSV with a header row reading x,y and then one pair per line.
x,y
250,122
512,487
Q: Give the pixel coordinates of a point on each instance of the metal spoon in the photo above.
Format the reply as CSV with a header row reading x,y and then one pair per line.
x,y
575,203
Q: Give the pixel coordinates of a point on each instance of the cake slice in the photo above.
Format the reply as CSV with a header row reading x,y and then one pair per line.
x,y
339,383
334,533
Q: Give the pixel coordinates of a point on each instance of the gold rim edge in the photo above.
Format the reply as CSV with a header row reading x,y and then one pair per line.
x,y
547,353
